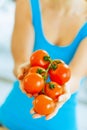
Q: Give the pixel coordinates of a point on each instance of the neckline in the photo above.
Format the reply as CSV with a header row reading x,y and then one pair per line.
x,y
54,45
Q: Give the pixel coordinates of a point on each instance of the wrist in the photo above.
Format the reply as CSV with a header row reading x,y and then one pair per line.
x,y
73,83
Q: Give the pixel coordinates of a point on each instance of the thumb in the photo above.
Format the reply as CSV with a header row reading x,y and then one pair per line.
x,y
23,70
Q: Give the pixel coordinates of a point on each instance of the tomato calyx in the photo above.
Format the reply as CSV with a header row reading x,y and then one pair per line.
x,y
40,71
51,86
47,58
43,73
54,64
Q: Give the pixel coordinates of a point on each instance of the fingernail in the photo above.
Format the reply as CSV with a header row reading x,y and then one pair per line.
x,y
32,111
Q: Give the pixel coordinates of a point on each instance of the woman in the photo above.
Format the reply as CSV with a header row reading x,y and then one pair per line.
x,y
63,35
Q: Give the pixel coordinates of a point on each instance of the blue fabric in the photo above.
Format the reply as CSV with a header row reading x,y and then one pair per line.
x,y
14,113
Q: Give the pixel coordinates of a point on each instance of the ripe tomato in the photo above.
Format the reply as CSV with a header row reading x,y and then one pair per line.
x,y
43,105
39,70
40,58
33,83
53,90
60,73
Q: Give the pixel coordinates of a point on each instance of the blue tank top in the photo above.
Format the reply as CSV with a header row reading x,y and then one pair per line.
x,y
14,113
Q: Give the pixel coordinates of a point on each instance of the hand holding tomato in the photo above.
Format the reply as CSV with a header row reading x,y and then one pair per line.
x,y
28,83
61,101
33,83
22,71
55,107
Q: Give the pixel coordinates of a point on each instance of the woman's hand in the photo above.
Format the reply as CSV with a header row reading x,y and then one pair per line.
x,y
21,71
61,101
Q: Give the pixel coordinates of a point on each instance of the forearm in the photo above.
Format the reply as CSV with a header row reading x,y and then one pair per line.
x,y
22,43
78,66
23,36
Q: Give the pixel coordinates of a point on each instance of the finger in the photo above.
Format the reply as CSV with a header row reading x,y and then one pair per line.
x,y
50,116
23,70
29,95
26,64
37,116
67,89
59,105
64,97
61,98
32,111
20,74
56,110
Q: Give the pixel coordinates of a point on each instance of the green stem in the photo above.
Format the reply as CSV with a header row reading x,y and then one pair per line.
x,y
47,58
53,64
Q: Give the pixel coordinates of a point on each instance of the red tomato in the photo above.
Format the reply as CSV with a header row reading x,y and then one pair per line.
x,y
53,90
33,83
40,58
60,73
43,105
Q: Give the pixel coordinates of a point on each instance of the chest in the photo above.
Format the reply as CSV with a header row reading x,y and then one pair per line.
x,y
61,29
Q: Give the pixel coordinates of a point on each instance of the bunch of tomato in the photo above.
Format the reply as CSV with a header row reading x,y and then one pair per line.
x,y
36,81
